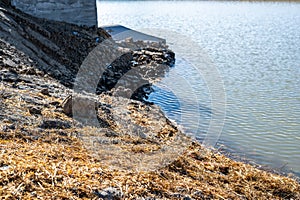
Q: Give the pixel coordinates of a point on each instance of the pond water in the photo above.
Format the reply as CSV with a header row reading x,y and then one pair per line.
x,y
253,48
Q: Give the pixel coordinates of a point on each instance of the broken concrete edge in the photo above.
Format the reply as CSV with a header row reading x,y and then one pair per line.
x,y
120,32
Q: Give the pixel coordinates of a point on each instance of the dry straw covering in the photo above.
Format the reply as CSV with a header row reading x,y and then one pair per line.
x,y
46,154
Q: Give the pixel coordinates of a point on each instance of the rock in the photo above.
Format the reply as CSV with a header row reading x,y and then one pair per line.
x,y
45,91
129,40
55,103
5,167
82,105
9,63
33,100
54,124
85,110
123,92
111,134
67,105
29,71
3,128
198,194
178,196
109,193
9,76
138,66
34,110
25,79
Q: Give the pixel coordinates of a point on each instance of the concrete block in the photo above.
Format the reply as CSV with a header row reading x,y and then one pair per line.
x,y
80,12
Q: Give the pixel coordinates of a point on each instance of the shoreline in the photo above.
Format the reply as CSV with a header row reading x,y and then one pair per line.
x,y
46,153
122,33
279,171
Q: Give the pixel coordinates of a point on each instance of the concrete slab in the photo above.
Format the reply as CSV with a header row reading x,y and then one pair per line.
x,y
119,32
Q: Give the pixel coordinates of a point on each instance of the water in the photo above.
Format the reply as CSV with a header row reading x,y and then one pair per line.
x,y
255,46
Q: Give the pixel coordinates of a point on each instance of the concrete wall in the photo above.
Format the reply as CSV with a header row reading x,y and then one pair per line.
x,y
81,12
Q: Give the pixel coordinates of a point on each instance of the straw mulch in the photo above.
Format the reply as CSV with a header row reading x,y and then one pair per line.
x,y
57,166
45,155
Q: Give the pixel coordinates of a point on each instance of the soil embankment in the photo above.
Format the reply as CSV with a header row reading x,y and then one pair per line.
x,y
48,152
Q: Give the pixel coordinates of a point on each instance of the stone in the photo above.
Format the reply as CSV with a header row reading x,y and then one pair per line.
x,y
187,198
33,100
4,128
198,194
54,124
9,63
111,134
67,105
35,110
109,193
29,71
9,76
5,167
45,91
129,40
8,127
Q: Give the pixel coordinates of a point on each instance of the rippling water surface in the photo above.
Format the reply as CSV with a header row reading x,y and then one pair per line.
x,y
256,48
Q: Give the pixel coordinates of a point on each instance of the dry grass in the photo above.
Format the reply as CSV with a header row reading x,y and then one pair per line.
x,y
65,163
57,164
58,167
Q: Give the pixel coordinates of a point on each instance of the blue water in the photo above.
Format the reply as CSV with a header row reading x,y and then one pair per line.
x,y
255,47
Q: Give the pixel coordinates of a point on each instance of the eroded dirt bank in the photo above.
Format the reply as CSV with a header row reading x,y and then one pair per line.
x,y
134,152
